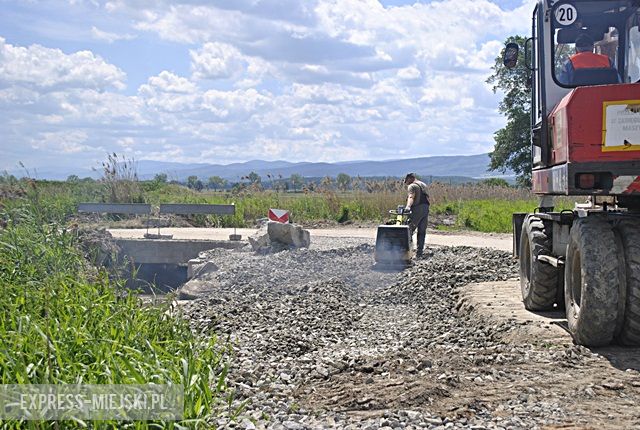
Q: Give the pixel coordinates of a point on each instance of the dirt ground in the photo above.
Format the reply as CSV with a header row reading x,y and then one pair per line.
x,y
599,389
577,387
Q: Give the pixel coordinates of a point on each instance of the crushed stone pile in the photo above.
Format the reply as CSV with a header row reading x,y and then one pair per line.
x,y
322,340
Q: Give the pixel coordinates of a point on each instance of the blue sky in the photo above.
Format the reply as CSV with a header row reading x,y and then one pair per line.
x,y
233,80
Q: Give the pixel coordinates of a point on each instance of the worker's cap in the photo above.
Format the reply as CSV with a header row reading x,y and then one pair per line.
x,y
584,41
409,177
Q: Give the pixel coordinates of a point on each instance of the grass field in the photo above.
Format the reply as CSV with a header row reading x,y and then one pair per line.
x,y
477,207
488,215
65,322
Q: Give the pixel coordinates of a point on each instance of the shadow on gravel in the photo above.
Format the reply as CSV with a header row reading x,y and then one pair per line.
x,y
622,358
389,268
558,316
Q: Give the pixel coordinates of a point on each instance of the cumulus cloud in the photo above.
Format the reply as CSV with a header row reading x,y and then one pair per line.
x,y
169,83
46,68
314,80
216,60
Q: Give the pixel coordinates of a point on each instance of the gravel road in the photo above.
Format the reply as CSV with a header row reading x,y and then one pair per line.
x,y
363,234
322,340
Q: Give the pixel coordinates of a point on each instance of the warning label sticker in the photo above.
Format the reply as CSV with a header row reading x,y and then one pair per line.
x,y
621,126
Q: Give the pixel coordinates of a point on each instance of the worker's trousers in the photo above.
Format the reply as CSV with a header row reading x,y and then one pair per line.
x,y
419,218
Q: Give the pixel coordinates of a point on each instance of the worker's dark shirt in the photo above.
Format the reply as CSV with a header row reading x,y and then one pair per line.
x,y
583,60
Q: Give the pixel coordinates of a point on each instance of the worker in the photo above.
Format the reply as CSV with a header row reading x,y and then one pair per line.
x,y
418,204
584,58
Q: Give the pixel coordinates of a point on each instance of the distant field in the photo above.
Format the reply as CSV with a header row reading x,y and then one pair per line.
x,y
474,206
477,207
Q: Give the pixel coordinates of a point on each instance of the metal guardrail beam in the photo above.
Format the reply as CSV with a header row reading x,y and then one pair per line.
x,y
115,208
190,209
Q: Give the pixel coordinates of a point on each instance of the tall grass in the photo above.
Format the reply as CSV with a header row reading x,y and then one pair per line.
x,y
327,204
63,322
321,204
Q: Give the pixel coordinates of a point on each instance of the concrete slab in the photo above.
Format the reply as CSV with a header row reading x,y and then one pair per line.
x,y
502,301
173,251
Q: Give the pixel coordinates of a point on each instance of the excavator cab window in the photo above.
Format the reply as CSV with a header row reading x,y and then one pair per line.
x,y
594,42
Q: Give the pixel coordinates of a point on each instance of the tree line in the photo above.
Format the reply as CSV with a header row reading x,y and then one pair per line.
x,y
295,182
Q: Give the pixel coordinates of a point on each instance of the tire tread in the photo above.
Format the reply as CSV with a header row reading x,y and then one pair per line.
x,y
542,289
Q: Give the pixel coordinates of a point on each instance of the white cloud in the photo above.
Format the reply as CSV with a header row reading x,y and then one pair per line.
x,y
109,37
216,60
65,142
314,80
45,68
170,83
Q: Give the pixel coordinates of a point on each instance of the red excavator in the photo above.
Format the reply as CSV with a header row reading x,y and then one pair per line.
x,y
584,58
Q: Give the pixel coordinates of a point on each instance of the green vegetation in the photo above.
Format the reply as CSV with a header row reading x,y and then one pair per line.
x,y
495,182
513,142
65,322
490,215
369,201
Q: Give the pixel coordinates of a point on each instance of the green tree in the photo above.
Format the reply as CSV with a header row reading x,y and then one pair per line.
x,y
296,181
73,179
513,142
344,181
192,181
160,178
495,182
254,178
6,178
216,182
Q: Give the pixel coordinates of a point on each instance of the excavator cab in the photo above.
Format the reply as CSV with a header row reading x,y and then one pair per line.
x,y
583,58
556,26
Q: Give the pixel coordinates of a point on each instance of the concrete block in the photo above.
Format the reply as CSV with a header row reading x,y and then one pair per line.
x,y
289,234
196,288
260,241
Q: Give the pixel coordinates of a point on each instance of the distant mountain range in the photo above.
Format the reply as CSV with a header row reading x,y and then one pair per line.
x,y
468,166
472,166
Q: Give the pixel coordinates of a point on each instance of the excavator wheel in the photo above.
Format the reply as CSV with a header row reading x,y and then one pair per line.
x,y
592,279
538,280
630,331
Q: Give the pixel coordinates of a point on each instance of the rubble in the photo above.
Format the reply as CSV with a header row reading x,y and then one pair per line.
x,y
322,340
275,236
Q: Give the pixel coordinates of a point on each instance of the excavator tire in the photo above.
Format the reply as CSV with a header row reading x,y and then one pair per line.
x,y
538,280
592,279
630,235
